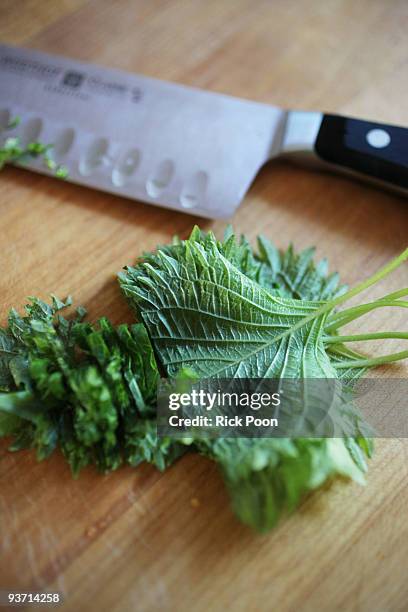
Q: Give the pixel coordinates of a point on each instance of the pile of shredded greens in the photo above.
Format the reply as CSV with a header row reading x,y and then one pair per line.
x,y
220,309
13,151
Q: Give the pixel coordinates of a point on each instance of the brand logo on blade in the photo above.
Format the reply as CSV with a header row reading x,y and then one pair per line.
x,y
73,79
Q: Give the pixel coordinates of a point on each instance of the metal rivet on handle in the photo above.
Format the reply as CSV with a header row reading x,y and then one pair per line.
x,y
160,179
377,138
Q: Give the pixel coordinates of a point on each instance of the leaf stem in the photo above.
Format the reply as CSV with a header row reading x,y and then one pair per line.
x,y
375,278
362,337
374,361
395,294
379,275
350,314
390,297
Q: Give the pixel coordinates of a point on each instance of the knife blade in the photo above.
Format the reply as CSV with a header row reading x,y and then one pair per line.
x,y
172,145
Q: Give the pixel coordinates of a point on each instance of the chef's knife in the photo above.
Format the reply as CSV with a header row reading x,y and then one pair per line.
x,y
175,146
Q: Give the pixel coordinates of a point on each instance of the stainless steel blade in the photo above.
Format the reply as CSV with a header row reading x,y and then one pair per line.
x,y
142,138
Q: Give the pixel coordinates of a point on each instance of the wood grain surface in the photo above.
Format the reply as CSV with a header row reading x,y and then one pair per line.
x,y
137,539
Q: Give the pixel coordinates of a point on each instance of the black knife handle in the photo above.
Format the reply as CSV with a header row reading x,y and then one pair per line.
x,y
375,150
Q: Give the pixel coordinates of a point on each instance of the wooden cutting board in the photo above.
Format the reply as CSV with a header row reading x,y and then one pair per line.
x,y
137,539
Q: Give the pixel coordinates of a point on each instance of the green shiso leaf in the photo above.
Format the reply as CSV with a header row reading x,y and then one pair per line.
x,y
202,312
225,311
